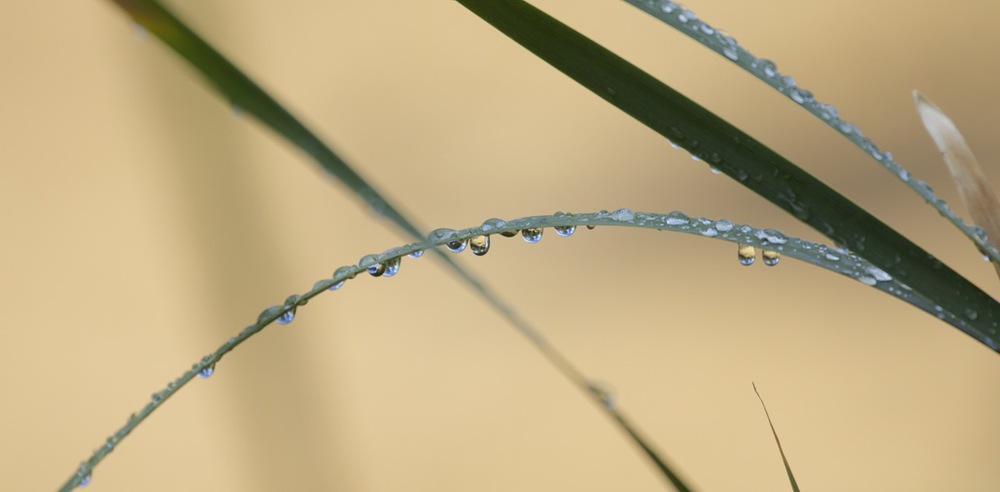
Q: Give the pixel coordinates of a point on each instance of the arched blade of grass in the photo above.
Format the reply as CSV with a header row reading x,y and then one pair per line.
x,y
685,21
736,154
242,92
836,261
788,468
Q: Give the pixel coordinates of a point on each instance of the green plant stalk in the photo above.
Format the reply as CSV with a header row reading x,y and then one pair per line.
x,y
242,92
820,255
739,156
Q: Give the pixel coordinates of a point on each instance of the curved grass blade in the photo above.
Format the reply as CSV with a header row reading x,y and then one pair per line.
x,y
820,255
242,92
788,469
973,187
685,21
736,154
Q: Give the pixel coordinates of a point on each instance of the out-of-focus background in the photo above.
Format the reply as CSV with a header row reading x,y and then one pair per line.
x,y
144,223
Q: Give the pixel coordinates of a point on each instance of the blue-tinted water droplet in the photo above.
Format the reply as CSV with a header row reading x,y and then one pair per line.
x,y
532,235
285,318
769,257
457,246
479,245
731,53
416,254
565,231
867,280
723,225
746,254
707,29
207,372
85,481
391,266
371,264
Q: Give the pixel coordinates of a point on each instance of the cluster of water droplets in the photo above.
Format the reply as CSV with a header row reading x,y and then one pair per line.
x,y
684,20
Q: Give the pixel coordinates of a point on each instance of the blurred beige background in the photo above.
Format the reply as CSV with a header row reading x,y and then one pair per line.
x,y
143,224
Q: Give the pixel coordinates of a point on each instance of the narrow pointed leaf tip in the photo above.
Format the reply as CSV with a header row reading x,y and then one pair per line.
x,y
781,451
977,194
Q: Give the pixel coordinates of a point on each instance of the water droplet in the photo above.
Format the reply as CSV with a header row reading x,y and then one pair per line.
x,y
865,279
746,254
709,232
707,29
479,245
672,144
768,68
85,481
286,318
623,214
668,7
724,225
267,313
532,235
376,270
695,158
508,233
207,372
980,233
494,223
731,53
457,246
847,128
338,272
878,274
769,257
800,96
157,397
391,266
416,254
439,234
677,219
565,231
772,236
591,227
832,257
971,314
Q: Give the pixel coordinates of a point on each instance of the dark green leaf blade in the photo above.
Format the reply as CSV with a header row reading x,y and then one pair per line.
x,y
243,93
738,155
